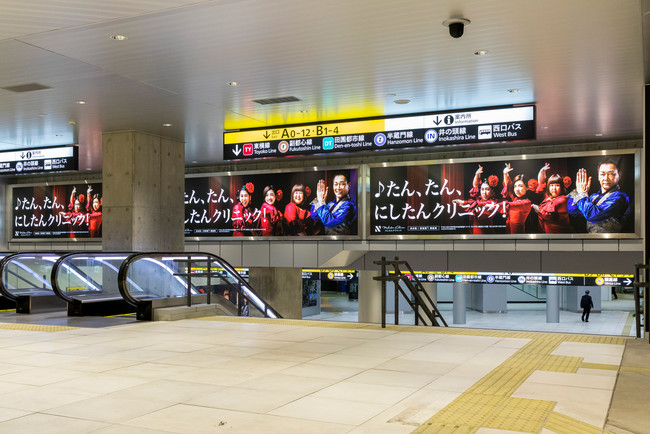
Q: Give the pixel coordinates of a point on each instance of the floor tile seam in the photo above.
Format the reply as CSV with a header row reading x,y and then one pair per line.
x,y
118,422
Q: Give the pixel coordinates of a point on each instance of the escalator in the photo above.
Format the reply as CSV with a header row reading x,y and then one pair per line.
x,y
88,283
152,282
24,280
114,283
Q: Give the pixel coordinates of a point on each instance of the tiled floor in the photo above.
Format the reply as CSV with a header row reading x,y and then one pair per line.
x,y
248,375
615,319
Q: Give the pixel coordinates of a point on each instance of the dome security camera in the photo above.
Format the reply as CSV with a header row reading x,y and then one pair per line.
x,y
456,26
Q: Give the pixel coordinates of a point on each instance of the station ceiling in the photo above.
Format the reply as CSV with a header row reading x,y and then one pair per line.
x,y
581,62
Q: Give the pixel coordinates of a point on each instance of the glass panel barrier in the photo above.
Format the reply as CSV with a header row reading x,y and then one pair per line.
x,y
27,274
88,276
147,276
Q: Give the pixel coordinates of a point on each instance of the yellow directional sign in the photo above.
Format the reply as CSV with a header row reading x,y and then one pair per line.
x,y
304,131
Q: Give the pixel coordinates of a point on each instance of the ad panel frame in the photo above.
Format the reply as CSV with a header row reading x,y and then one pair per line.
x,y
9,214
360,192
636,212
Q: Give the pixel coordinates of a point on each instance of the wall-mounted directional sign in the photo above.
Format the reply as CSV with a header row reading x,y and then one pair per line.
x,y
431,129
58,159
198,270
322,274
526,278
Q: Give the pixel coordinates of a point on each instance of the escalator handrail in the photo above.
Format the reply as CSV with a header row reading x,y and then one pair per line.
x,y
231,270
55,271
121,277
3,263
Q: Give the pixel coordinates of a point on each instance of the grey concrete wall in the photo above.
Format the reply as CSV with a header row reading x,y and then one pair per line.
x,y
143,184
369,297
546,256
5,215
280,287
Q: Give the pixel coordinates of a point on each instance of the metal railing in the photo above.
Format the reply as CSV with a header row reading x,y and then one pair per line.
x,y
421,299
186,276
641,289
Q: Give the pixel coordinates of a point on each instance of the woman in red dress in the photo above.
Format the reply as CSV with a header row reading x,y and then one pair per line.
x,y
298,220
94,214
552,212
242,217
483,204
270,217
518,220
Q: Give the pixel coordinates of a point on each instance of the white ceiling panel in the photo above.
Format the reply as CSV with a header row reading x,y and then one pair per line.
x,y
580,62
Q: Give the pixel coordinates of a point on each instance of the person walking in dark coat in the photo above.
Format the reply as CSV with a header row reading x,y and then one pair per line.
x,y
586,304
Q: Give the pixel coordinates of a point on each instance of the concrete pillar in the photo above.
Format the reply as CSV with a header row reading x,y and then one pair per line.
x,y
488,298
460,304
143,185
280,287
552,304
369,297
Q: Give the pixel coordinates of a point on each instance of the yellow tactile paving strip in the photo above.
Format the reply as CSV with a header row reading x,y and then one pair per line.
x,y
518,414
562,364
600,366
488,403
561,423
36,327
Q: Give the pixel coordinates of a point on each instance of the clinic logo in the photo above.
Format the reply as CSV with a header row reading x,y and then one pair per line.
x,y
248,149
328,143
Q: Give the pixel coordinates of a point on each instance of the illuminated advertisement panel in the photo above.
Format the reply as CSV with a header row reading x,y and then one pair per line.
x,y
282,204
554,197
57,211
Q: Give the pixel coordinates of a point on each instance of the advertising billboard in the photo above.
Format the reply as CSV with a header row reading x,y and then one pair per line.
x,y
559,196
282,204
57,211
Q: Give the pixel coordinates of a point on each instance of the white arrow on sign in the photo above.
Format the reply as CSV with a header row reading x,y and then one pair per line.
x,y
627,281
236,151
350,276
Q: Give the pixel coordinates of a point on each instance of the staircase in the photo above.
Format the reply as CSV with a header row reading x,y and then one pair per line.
x,y
407,284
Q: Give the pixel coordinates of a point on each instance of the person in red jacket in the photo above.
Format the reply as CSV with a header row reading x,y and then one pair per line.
x,y
94,213
270,217
243,220
298,219
553,213
520,200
